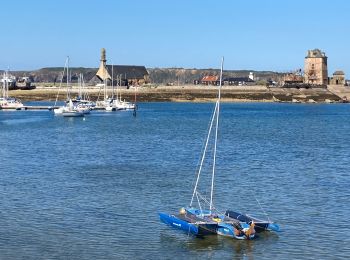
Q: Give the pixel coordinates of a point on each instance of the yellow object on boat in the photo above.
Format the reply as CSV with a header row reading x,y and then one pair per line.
x,y
217,219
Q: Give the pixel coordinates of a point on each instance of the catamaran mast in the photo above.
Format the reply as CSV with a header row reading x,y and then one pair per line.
x,y
215,116
216,137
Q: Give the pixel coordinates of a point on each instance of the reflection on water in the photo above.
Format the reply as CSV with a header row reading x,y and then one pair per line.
x,y
210,246
21,121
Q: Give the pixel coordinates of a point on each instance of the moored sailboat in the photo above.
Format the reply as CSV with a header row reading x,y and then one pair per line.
x,y
7,102
82,101
70,109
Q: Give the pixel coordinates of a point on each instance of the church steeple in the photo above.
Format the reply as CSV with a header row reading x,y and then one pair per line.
x,y
102,72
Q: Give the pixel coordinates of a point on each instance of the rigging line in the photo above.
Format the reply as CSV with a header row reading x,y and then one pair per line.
x,y
260,205
200,163
268,218
219,211
204,142
202,197
199,203
204,153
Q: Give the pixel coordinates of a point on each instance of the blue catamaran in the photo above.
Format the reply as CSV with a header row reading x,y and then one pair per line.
x,y
201,221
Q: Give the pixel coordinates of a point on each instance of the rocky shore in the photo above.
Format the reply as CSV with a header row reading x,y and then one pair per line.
x,y
192,93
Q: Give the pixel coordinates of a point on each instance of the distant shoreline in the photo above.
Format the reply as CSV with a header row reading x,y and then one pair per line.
x,y
189,93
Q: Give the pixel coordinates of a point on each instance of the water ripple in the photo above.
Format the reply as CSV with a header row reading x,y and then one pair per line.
x,y
92,189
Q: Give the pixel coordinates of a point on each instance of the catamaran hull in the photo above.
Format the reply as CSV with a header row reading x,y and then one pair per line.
x,y
229,230
191,228
179,224
260,225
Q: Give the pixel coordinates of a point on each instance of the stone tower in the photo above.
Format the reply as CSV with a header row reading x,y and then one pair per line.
x,y
316,71
338,78
102,72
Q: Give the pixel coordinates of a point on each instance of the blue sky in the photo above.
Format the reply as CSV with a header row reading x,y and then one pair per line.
x,y
255,35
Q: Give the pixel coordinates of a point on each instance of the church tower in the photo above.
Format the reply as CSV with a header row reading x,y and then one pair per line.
x,y
102,72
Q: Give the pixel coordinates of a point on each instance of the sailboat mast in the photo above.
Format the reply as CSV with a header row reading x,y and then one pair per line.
x,y
112,82
4,86
216,136
68,95
79,85
7,83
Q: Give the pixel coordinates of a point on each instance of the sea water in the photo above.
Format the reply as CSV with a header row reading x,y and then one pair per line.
x,y
91,188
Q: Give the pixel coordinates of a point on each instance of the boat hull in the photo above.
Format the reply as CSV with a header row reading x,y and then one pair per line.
x,y
229,230
73,114
184,223
260,225
178,223
66,112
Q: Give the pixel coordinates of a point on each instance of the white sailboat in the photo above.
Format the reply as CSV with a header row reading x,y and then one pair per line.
x,y
118,102
7,102
69,109
107,102
82,101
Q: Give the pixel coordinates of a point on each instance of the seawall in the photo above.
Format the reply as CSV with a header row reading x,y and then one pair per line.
x,y
189,93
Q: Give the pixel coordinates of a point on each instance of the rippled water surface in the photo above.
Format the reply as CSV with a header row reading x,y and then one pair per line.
x,y
74,188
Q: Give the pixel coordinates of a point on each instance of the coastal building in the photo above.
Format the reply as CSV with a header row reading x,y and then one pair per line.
x,y
210,80
338,78
316,72
128,75
124,75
